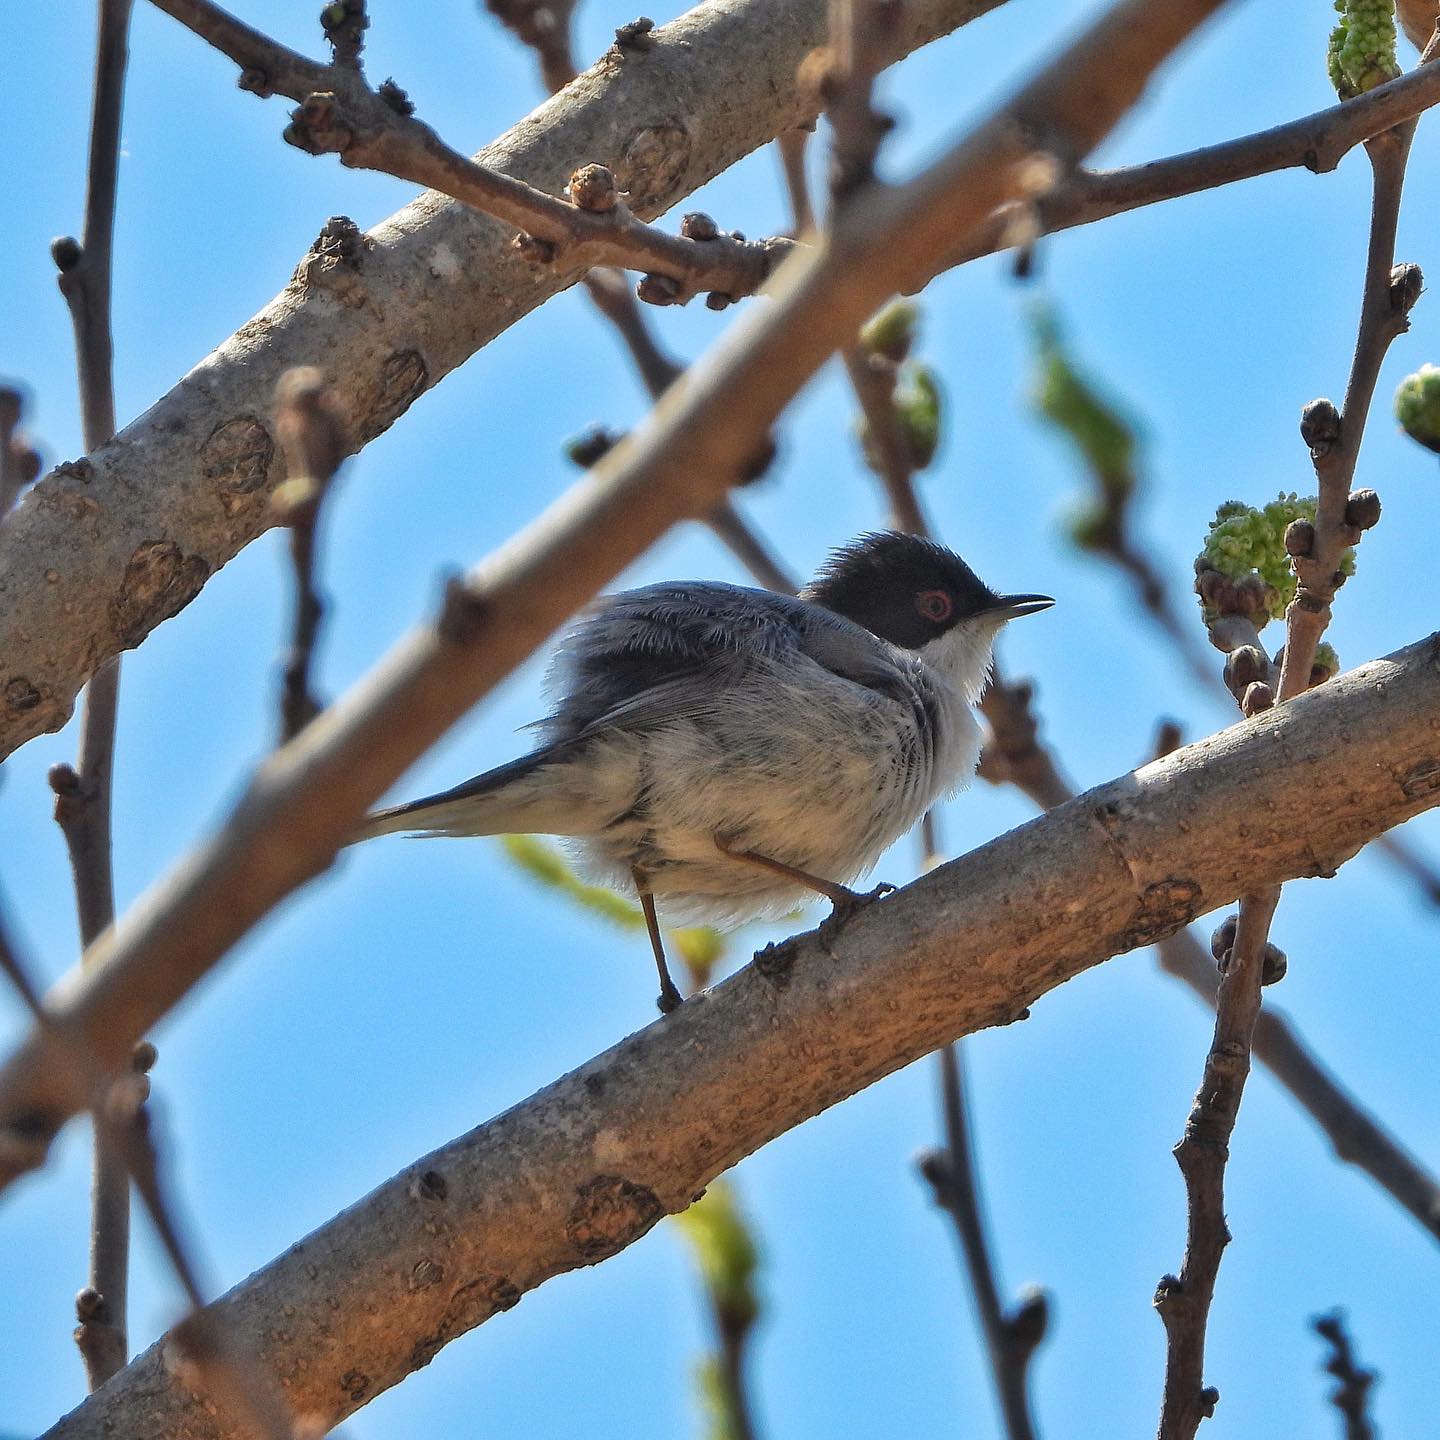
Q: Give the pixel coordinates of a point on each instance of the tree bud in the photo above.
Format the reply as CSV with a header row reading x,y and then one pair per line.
x,y
1320,426
1362,510
1299,537
592,187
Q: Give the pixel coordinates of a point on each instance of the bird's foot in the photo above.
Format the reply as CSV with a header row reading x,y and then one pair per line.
x,y
849,903
669,999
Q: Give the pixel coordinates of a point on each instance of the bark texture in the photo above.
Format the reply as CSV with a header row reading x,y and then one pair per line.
x,y
102,550
588,1165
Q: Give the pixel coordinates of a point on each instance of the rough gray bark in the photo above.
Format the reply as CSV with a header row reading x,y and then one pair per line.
x,y
587,1166
101,552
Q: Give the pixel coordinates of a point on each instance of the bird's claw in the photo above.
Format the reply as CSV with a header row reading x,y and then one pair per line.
x,y
849,903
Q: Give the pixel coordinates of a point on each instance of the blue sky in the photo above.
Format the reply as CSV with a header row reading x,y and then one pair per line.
x,y
418,989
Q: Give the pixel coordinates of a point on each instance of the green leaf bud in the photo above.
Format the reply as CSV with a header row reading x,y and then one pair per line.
x,y
891,332
1417,406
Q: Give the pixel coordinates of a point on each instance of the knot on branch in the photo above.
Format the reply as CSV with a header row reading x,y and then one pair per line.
x,y
637,35
344,23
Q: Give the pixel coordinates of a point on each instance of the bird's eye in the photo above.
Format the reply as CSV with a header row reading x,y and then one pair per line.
x,y
934,605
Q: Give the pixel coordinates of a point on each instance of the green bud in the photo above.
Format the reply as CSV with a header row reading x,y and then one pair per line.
x,y
917,405
1417,406
891,332
1243,541
1326,659
1361,53
1105,440
546,865
725,1251
701,948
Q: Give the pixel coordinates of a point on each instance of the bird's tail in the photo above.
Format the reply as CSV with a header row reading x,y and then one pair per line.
x,y
527,796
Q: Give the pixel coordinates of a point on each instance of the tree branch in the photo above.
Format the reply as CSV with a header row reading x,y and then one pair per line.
x,y
83,794
1389,292
1010,1339
588,1165
304,802
1013,754
1316,142
419,295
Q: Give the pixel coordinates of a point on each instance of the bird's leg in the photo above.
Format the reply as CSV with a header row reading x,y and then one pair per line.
x,y
669,998
846,901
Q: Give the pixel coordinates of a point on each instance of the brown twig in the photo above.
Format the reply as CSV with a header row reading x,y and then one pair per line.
x,y
1316,142
312,434
1351,1397
861,46
1010,1339
1334,440
792,145
545,28
1014,754
83,794
303,805
374,129
658,371
1183,1301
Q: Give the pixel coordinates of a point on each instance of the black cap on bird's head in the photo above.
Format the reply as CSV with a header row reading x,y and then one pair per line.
x,y
910,590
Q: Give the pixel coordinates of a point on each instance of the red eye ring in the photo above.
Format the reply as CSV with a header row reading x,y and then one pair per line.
x,y
935,605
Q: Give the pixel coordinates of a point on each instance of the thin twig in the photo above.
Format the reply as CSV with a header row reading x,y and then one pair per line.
x,y
1351,1397
1390,291
1183,1301
792,145
658,371
861,46
376,130
83,794
312,433
1316,142
1010,1339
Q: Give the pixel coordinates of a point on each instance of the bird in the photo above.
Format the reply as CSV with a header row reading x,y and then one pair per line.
x,y
725,753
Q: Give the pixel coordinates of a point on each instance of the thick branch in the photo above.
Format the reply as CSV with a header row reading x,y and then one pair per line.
x,y
587,1166
304,802
183,488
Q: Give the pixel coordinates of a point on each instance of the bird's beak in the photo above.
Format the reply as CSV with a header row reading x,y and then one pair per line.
x,y
1009,607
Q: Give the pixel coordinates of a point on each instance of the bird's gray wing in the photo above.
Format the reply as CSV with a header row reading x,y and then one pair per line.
x,y
645,657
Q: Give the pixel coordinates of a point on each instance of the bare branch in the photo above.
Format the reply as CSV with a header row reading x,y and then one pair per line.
x,y
464,1232
377,130
312,434
1351,1396
1010,1339
422,292
1390,291
543,25
83,794
1183,1301
1316,142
